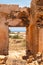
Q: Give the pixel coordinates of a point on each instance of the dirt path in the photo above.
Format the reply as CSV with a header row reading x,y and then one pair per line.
x,y
15,58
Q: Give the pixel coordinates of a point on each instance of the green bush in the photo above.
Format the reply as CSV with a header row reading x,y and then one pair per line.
x,y
15,37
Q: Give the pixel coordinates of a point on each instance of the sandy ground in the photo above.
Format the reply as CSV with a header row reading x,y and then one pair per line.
x,y
17,54
15,58
16,51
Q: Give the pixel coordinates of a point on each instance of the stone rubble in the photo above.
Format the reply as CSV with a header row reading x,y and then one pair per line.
x,y
36,61
17,60
3,59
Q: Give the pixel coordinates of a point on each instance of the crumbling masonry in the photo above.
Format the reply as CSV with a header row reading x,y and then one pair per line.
x,y
31,18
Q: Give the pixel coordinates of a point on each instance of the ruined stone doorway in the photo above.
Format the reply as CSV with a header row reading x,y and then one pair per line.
x,y
17,40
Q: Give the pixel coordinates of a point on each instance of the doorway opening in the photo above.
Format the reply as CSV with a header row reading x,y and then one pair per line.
x,y
17,41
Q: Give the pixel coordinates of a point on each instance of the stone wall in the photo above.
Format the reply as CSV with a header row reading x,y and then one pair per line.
x,y
9,17
31,18
3,39
37,19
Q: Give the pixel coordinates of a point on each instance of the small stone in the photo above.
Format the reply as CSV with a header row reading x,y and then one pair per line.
x,y
30,64
31,58
2,59
38,54
35,63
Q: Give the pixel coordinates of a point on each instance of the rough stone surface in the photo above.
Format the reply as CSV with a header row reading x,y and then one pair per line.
x,y
34,26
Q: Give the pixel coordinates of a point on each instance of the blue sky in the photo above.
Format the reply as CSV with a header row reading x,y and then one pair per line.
x,y
17,29
21,3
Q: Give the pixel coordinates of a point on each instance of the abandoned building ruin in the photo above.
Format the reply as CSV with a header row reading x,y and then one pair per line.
x,y
31,18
